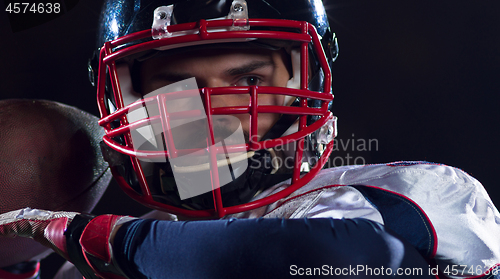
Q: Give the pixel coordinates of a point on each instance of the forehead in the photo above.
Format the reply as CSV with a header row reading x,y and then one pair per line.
x,y
208,55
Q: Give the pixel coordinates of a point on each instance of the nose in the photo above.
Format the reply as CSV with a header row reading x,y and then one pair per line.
x,y
224,101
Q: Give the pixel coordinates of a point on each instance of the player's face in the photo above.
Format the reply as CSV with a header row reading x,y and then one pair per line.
x,y
223,68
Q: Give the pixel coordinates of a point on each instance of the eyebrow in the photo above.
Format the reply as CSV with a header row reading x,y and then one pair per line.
x,y
247,68
240,70
172,77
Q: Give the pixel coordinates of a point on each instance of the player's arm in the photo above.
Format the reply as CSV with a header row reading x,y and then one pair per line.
x,y
118,247
261,248
121,247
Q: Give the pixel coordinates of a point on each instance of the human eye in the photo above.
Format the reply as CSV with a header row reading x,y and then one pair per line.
x,y
249,81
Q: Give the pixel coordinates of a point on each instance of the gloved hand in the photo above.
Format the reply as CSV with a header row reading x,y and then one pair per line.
x,y
45,227
79,238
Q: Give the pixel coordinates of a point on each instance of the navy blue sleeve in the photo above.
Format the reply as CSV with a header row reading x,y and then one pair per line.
x,y
264,248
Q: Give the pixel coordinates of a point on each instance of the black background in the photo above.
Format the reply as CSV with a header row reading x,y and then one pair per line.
x,y
419,78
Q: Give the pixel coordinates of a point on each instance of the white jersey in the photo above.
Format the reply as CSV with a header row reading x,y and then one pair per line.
x,y
460,222
464,222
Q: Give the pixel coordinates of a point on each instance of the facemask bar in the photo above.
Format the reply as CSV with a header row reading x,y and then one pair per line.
x,y
199,33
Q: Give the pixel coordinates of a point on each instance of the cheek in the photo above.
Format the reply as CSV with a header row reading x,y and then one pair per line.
x,y
266,121
271,99
236,100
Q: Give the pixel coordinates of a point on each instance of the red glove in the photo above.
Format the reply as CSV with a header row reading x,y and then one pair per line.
x,y
81,239
46,227
96,245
